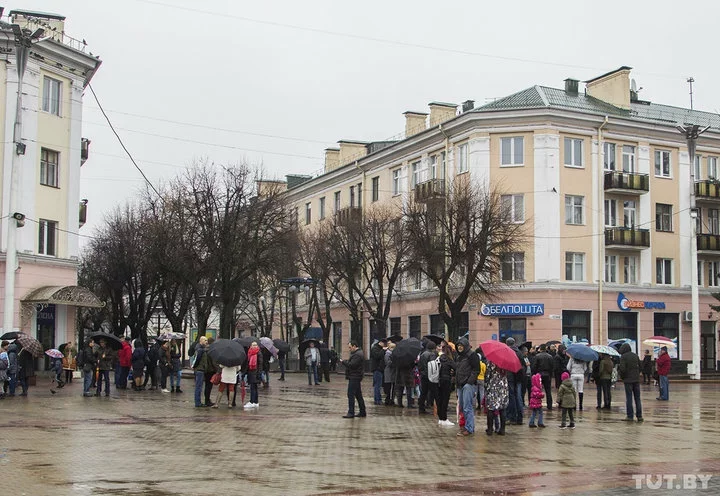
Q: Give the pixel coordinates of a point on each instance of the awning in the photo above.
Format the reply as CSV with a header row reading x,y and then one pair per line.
x,y
64,295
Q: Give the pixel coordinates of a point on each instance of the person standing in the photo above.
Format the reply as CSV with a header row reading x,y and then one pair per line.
x,y
281,363
176,364
104,358
26,369
605,377
312,358
543,365
13,366
324,362
426,400
566,400
536,397
629,372
447,369
199,366
254,367
577,370
228,380
4,366
468,366
89,365
210,370
138,364
151,366
497,398
265,372
560,361
516,381
377,365
69,362
389,375
663,369
354,375
165,364
647,367
124,364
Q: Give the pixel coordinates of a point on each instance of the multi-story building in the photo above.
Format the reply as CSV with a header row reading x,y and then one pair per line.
x,y
47,159
602,180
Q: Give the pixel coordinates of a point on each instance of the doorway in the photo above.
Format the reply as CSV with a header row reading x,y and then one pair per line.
x,y
708,352
45,334
513,328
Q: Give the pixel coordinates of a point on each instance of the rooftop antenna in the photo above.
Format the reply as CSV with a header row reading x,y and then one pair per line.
x,y
691,80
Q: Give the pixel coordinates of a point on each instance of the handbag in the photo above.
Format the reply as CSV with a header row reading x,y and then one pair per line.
x,y
215,379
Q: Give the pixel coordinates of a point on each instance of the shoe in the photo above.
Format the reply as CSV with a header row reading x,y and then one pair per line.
x,y
348,416
199,406
107,394
256,405
500,433
214,405
489,432
361,415
658,398
628,419
606,407
172,389
448,423
463,433
248,405
571,426
165,390
231,406
563,426
234,404
541,425
598,407
640,419
209,404
178,390
532,426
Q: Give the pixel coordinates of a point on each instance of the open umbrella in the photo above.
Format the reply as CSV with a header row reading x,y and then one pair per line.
x,y
434,338
112,340
227,352
281,345
607,350
501,355
527,345
395,338
306,343
552,341
245,341
169,336
582,352
268,344
406,352
30,345
12,335
660,341
53,353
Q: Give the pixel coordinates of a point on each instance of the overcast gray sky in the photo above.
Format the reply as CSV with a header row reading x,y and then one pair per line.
x,y
276,82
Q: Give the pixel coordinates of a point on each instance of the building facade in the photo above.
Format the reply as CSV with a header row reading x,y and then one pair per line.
x,y
47,158
602,180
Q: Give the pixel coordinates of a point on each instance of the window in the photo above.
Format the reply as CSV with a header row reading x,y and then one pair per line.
x,y
629,213
698,221
395,323
296,217
352,196
359,195
668,326
337,335
696,168
663,217
576,325
628,158
713,221
610,268
573,152
437,166
513,267
514,205
574,211
415,326
51,95
712,167
662,163
699,273
511,150
49,161
321,210
47,237
663,271
337,201
713,274
610,213
630,270
375,189
622,325
417,281
515,328
308,213
608,156
397,182
419,173
574,266
437,324
462,163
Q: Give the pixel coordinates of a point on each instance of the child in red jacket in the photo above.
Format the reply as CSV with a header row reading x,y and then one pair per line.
x,y
536,397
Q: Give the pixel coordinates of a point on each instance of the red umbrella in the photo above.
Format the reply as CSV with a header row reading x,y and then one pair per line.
x,y
501,355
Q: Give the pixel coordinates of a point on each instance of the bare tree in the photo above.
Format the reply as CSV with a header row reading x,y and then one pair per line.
x,y
458,241
314,260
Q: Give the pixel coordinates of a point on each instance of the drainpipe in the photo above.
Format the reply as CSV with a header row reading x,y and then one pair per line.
x,y
601,238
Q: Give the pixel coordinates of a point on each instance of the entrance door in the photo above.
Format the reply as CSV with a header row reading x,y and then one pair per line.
x,y
707,345
513,328
45,334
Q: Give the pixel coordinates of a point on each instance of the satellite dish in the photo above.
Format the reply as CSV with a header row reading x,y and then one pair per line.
x,y
633,86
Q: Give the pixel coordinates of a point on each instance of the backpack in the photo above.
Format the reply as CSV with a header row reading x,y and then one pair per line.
x,y
434,370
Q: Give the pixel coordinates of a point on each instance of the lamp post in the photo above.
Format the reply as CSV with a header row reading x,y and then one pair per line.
x,y
691,133
24,39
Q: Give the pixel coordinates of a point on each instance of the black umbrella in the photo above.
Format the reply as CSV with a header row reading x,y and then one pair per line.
x,y
227,352
281,345
306,343
395,338
434,338
406,352
111,339
246,341
527,345
12,335
553,341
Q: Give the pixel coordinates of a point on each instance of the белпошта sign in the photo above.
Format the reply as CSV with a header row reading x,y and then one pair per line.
x,y
503,309
626,305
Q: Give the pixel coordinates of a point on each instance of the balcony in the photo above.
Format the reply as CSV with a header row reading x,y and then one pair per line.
x,y
348,215
627,238
707,190
82,218
626,183
708,244
433,189
84,150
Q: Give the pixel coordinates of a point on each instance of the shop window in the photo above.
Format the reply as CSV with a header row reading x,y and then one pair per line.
x,y
337,336
622,325
513,328
437,324
667,325
576,324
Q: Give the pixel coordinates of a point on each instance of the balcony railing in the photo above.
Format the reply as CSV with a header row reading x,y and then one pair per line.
x,y
348,215
84,150
430,190
707,190
627,237
708,242
627,182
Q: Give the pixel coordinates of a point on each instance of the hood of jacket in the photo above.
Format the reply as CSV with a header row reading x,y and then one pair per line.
x,y
537,381
465,344
625,348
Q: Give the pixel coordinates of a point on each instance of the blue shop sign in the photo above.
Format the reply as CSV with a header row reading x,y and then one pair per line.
x,y
506,309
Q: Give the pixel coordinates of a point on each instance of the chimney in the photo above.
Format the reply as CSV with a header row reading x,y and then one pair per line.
x,y
351,151
571,86
332,158
612,87
441,112
468,105
414,122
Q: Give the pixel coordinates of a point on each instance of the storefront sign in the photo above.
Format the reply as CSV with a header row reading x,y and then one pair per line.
x,y
626,304
505,309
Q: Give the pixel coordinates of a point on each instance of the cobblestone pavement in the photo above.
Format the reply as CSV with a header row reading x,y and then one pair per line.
x,y
296,443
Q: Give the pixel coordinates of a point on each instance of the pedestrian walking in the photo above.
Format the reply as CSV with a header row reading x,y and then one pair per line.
x,y
566,401
447,371
535,404
333,359
647,366
89,365
312,359
254,366
577,370
629,371
354,374
427,358
138,364
663,369
377,365
543,365
281,363
497,398
26,369
389,375
468,367
265,371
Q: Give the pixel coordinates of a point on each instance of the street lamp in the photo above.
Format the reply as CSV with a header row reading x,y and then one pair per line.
x,y
24,39
691,133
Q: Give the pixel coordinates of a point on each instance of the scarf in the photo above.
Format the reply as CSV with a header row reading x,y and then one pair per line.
x,y
252,358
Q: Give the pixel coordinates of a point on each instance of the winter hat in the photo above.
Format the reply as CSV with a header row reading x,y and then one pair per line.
x,y
564,376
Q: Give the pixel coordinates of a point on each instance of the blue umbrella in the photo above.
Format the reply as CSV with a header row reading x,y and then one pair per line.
x,y
581,352
608,350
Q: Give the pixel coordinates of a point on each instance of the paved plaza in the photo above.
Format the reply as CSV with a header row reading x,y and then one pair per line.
x,y
297,443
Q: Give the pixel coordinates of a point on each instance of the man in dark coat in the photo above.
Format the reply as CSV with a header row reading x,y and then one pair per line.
x,y
26,369
377,365
629,372
354,374
88,367
560,361
426,400
516,383
324,372
468,368
543,365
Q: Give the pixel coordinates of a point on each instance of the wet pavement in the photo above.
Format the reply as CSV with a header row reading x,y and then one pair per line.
x,y
296,442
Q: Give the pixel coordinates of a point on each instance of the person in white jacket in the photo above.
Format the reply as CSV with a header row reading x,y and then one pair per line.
x,y
578,369
228,378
